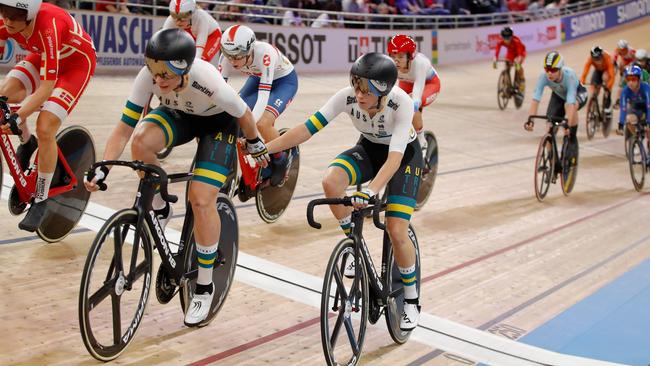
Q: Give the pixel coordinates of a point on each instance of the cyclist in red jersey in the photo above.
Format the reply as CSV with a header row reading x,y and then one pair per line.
x,y
53,75
516,53
624,55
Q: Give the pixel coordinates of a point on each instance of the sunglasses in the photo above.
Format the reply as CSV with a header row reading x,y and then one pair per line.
x,y
632,78
359,84
551,69
181,16
234,58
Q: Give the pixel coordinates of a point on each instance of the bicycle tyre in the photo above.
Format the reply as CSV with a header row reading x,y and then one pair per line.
x,y
518,94
637,161
544,167
330,308
502,90
270,201
607,122
430,170
113,286
223,272
627,140
569,169
65,210
592,118
395,304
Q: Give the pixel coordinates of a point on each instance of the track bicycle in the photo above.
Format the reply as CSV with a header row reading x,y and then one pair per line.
x,y
637,155
597,117
67,199
549,163
348,304
117,276
507,89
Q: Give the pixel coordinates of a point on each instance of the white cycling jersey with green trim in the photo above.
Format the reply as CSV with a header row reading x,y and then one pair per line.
x,y
390,126
205,93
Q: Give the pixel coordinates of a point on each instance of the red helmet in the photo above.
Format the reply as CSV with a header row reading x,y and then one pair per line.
x,y
401,43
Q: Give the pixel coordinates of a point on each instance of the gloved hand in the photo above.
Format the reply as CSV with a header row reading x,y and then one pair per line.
x,y
11,124
529,125
258,151
95,179
360,199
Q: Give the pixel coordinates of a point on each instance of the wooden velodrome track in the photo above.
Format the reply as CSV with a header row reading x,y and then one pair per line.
x,y
493,257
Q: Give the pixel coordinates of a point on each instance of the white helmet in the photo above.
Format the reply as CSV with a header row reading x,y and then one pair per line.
x,y
641,54
181,6
622,44
237,40
31,6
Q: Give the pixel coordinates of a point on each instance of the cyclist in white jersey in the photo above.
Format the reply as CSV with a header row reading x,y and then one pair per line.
x,y
184,14
416,76
271,85
195,103
387,155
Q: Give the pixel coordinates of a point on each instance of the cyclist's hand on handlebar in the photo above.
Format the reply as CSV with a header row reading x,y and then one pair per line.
x,y
360,199
10,125
258,151
95,179
529,125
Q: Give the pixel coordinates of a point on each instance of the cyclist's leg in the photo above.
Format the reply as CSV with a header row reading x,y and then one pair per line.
x,y
519,60
215,157
402,193
349,168
70,85
22,81
282,93
160,128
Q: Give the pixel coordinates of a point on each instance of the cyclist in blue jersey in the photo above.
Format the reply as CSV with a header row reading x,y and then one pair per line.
x,y
567,98
635,100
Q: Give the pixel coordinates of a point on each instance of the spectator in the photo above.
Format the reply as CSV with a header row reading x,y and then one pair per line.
x,y
537,9
354,6
517,5
65,4
113,6
292,18
327,20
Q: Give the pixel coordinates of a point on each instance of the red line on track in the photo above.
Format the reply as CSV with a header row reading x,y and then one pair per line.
x,y
310,322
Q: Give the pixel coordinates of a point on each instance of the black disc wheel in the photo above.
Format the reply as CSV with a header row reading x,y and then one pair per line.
x,y
65,210
396,290
115,286
569,167
223,272
637,159
503,92
272,201
430,170
544,167
344,308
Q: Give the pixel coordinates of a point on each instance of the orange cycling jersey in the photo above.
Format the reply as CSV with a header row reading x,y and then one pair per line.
x,y
606,65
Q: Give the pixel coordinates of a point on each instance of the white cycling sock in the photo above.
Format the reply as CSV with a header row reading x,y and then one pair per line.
x,y
206,256
43,182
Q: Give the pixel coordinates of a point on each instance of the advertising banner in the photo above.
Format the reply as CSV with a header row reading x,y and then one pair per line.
x,y
472,44
120,41
580,25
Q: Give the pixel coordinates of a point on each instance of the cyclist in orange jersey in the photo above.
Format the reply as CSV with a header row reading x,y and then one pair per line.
x,y
603,74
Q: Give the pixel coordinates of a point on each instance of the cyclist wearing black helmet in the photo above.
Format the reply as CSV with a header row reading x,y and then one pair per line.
x,y
603,74
387,155
195,102
516,54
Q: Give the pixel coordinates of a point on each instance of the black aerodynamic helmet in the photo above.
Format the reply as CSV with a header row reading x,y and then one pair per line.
x,y
374,72
170,51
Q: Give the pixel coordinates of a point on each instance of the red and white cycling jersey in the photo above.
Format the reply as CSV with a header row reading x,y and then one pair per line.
x,y
205,31
60,50
420,73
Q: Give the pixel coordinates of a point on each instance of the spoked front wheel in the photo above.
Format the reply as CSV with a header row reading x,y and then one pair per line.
x,y
503,86
396,290
638,160
115,286
430,170
569,166
65,210
272,201
344,308
223,271
544,167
